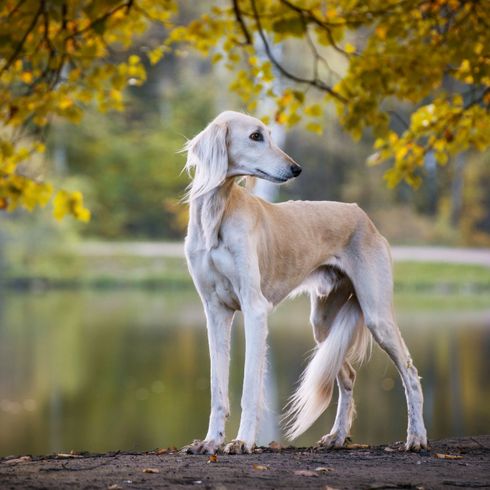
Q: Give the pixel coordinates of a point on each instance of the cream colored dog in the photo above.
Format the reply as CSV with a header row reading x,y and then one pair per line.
x,y
247,254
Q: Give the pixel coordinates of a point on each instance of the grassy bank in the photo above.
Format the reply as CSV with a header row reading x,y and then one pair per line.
x,y
68,269
441,277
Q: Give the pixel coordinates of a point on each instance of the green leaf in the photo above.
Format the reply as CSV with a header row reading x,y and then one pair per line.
x,y
293,26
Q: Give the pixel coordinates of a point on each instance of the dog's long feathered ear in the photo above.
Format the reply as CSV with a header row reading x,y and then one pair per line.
x,y
207,153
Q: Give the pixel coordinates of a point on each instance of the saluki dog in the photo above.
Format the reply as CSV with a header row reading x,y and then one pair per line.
x,y
247,254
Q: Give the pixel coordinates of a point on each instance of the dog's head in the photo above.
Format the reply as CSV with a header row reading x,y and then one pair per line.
x,y
232,145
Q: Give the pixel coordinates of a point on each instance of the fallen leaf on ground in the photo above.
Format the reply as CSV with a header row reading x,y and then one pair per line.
x,y
260,467
357,446
115,486
389,450
22,459
276,446
162,450
68,455
213,458
323,469
447,456
305,473
151,470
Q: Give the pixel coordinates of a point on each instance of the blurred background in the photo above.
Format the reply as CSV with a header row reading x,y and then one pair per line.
x,y
102,336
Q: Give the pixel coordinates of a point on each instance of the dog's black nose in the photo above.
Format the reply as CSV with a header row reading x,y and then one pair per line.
x,y
296,170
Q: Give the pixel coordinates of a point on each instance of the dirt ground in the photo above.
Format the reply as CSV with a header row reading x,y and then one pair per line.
x,y
450,463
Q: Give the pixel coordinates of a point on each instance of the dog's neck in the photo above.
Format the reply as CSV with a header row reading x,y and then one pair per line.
x,y
206,214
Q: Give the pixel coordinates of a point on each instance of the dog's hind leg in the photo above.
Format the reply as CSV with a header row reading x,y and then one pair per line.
x,y
323,312
219,320
324,309
387,334
345,409
372,279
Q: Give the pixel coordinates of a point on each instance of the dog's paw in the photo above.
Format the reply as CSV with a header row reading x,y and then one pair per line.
x,y
334,440
239,447
416,442
201,447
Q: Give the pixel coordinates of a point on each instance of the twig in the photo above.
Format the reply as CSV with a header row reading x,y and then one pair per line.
x,y
19,47
324,25
104,17
64,467
239,18
17,7
399,118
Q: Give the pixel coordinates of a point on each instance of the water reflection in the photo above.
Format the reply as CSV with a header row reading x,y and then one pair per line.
x,y
129,370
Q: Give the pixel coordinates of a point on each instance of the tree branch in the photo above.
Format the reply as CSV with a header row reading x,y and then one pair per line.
x,y
19,47
127,5
239,18
315,82
17,7
307,14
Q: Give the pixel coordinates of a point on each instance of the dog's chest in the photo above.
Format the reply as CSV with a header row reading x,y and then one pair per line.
x,y
224,267
215,271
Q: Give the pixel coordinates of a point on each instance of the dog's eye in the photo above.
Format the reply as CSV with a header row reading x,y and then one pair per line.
x,y
257,136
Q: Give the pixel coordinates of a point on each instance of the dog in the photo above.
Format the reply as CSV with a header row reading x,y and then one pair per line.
x,y
247,254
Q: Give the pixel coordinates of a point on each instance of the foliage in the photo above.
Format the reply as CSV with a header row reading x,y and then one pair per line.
x,y
475,216
430,54
135,177
363,56
55,58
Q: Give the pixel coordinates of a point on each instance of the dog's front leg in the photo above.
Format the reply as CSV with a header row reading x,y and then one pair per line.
x,y
255,319
219,319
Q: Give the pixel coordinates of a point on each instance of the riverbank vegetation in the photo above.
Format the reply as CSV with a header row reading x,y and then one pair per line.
x,y
68,267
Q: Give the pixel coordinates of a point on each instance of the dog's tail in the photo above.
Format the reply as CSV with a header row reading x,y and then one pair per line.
x,y
347,339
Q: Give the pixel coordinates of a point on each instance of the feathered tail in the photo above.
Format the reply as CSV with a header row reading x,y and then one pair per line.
x,y
347,339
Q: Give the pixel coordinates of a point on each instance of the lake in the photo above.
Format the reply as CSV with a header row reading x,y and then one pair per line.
x,y
127,369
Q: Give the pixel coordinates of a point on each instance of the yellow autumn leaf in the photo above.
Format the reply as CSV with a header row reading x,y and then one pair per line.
x,y
65,102
401,152
155,55
26,77
216,57
60,205
465,66
441,158
314,110
349,48
70,203
381,32
134,59
314,128
447,456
